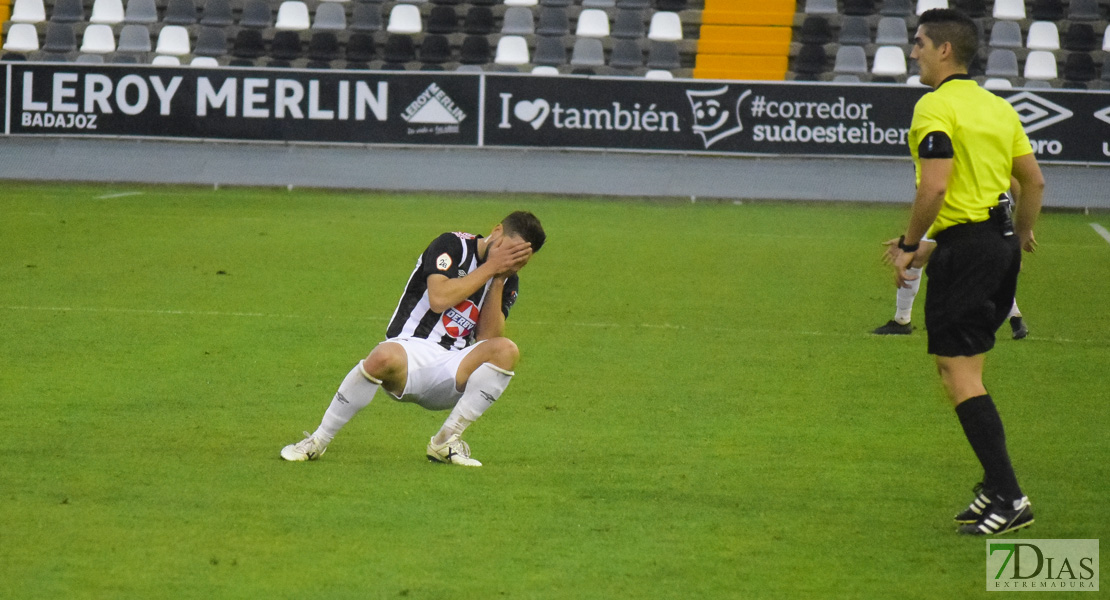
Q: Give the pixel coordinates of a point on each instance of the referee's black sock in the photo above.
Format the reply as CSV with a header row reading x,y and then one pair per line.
x,y
983,428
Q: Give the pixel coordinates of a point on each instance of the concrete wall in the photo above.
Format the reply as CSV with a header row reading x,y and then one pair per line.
x,y
496,170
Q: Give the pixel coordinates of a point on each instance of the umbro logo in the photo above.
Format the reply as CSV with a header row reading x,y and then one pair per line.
x,y
339,397
462,273
488,396
1037,113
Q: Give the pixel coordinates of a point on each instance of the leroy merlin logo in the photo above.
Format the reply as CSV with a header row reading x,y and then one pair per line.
x,y
1042,565
433,107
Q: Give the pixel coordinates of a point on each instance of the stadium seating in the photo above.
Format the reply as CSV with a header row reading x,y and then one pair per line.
x,y
217,13
628,24
329,17
511,50
134,38
180,12
592,22
889,61
292,15
28,11
518,20
107,12
173,40
1006,34
22,37
1013,10
1043,35
256,14
67,11
142,11
715,39
1041,65
550,51
98,39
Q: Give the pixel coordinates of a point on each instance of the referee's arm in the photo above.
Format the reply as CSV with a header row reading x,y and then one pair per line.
x,y
929,198
927,203
1031,183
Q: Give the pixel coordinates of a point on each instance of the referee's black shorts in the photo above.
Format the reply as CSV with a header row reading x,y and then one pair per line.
x,y
972,279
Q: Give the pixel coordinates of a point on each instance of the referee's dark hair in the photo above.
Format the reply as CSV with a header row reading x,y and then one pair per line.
x,y
527,226
952,26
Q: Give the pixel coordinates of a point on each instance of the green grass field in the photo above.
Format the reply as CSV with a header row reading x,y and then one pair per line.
x,y
699,411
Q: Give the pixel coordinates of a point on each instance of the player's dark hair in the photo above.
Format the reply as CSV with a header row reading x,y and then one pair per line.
x,y
950,25
527,226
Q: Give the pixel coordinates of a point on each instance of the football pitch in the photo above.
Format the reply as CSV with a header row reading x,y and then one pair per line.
x,y
699,410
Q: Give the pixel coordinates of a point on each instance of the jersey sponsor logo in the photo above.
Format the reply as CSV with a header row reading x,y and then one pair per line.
x,y
460,320
444,262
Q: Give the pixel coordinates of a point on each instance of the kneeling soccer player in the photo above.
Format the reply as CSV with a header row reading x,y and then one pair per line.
x,y
444,347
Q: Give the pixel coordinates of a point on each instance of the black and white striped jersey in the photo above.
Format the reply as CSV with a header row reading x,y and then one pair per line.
x,y
453,255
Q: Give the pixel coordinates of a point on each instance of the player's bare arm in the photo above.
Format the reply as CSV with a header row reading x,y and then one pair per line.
x,y
491,322
927,202
1031,183
505,254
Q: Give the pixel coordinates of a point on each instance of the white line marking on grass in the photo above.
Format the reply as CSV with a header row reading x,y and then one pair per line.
x,y
1099,229
599,325
120,195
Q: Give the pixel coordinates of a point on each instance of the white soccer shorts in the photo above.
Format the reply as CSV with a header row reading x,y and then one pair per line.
x,y
432,370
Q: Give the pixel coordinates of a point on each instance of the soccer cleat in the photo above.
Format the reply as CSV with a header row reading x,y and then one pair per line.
x,y
310,448
974,511
453,452
893,327
998,520
1020,329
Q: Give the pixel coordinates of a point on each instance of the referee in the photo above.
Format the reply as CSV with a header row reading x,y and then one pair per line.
x,y
966,143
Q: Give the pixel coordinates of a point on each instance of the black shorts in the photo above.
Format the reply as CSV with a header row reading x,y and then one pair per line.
x,y
972,279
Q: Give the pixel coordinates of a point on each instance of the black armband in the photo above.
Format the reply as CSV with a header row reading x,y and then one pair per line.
x,y
936,144
905,247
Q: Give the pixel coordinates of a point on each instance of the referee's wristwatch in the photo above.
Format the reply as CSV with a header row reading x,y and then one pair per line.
x,y
904,247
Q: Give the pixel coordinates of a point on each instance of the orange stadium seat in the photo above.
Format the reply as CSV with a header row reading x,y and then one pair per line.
x,y
740,66
745,39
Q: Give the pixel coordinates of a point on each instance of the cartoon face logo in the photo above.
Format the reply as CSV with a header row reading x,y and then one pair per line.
x,y
460,320
714,112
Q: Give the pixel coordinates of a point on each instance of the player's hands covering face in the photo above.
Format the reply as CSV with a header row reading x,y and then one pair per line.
x,y
509,255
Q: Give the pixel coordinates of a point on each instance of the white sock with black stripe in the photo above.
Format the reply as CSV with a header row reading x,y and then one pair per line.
x,y
485,386
355,393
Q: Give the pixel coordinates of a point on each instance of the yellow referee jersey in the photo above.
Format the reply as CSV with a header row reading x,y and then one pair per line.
x,y
986,135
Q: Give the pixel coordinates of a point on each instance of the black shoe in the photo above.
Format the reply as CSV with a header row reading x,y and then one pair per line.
x,y
1019,327
974,511
998,520
894,328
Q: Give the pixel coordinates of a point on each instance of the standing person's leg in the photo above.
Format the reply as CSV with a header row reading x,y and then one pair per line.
x,y
972,279
1017,323
904,297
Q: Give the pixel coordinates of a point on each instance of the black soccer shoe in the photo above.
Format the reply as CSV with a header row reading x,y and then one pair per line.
x,y
1020,329
893,327
975,510
998,520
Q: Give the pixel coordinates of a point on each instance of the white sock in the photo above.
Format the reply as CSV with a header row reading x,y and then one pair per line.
x,y
1014,312
485,386
904,302
355,393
